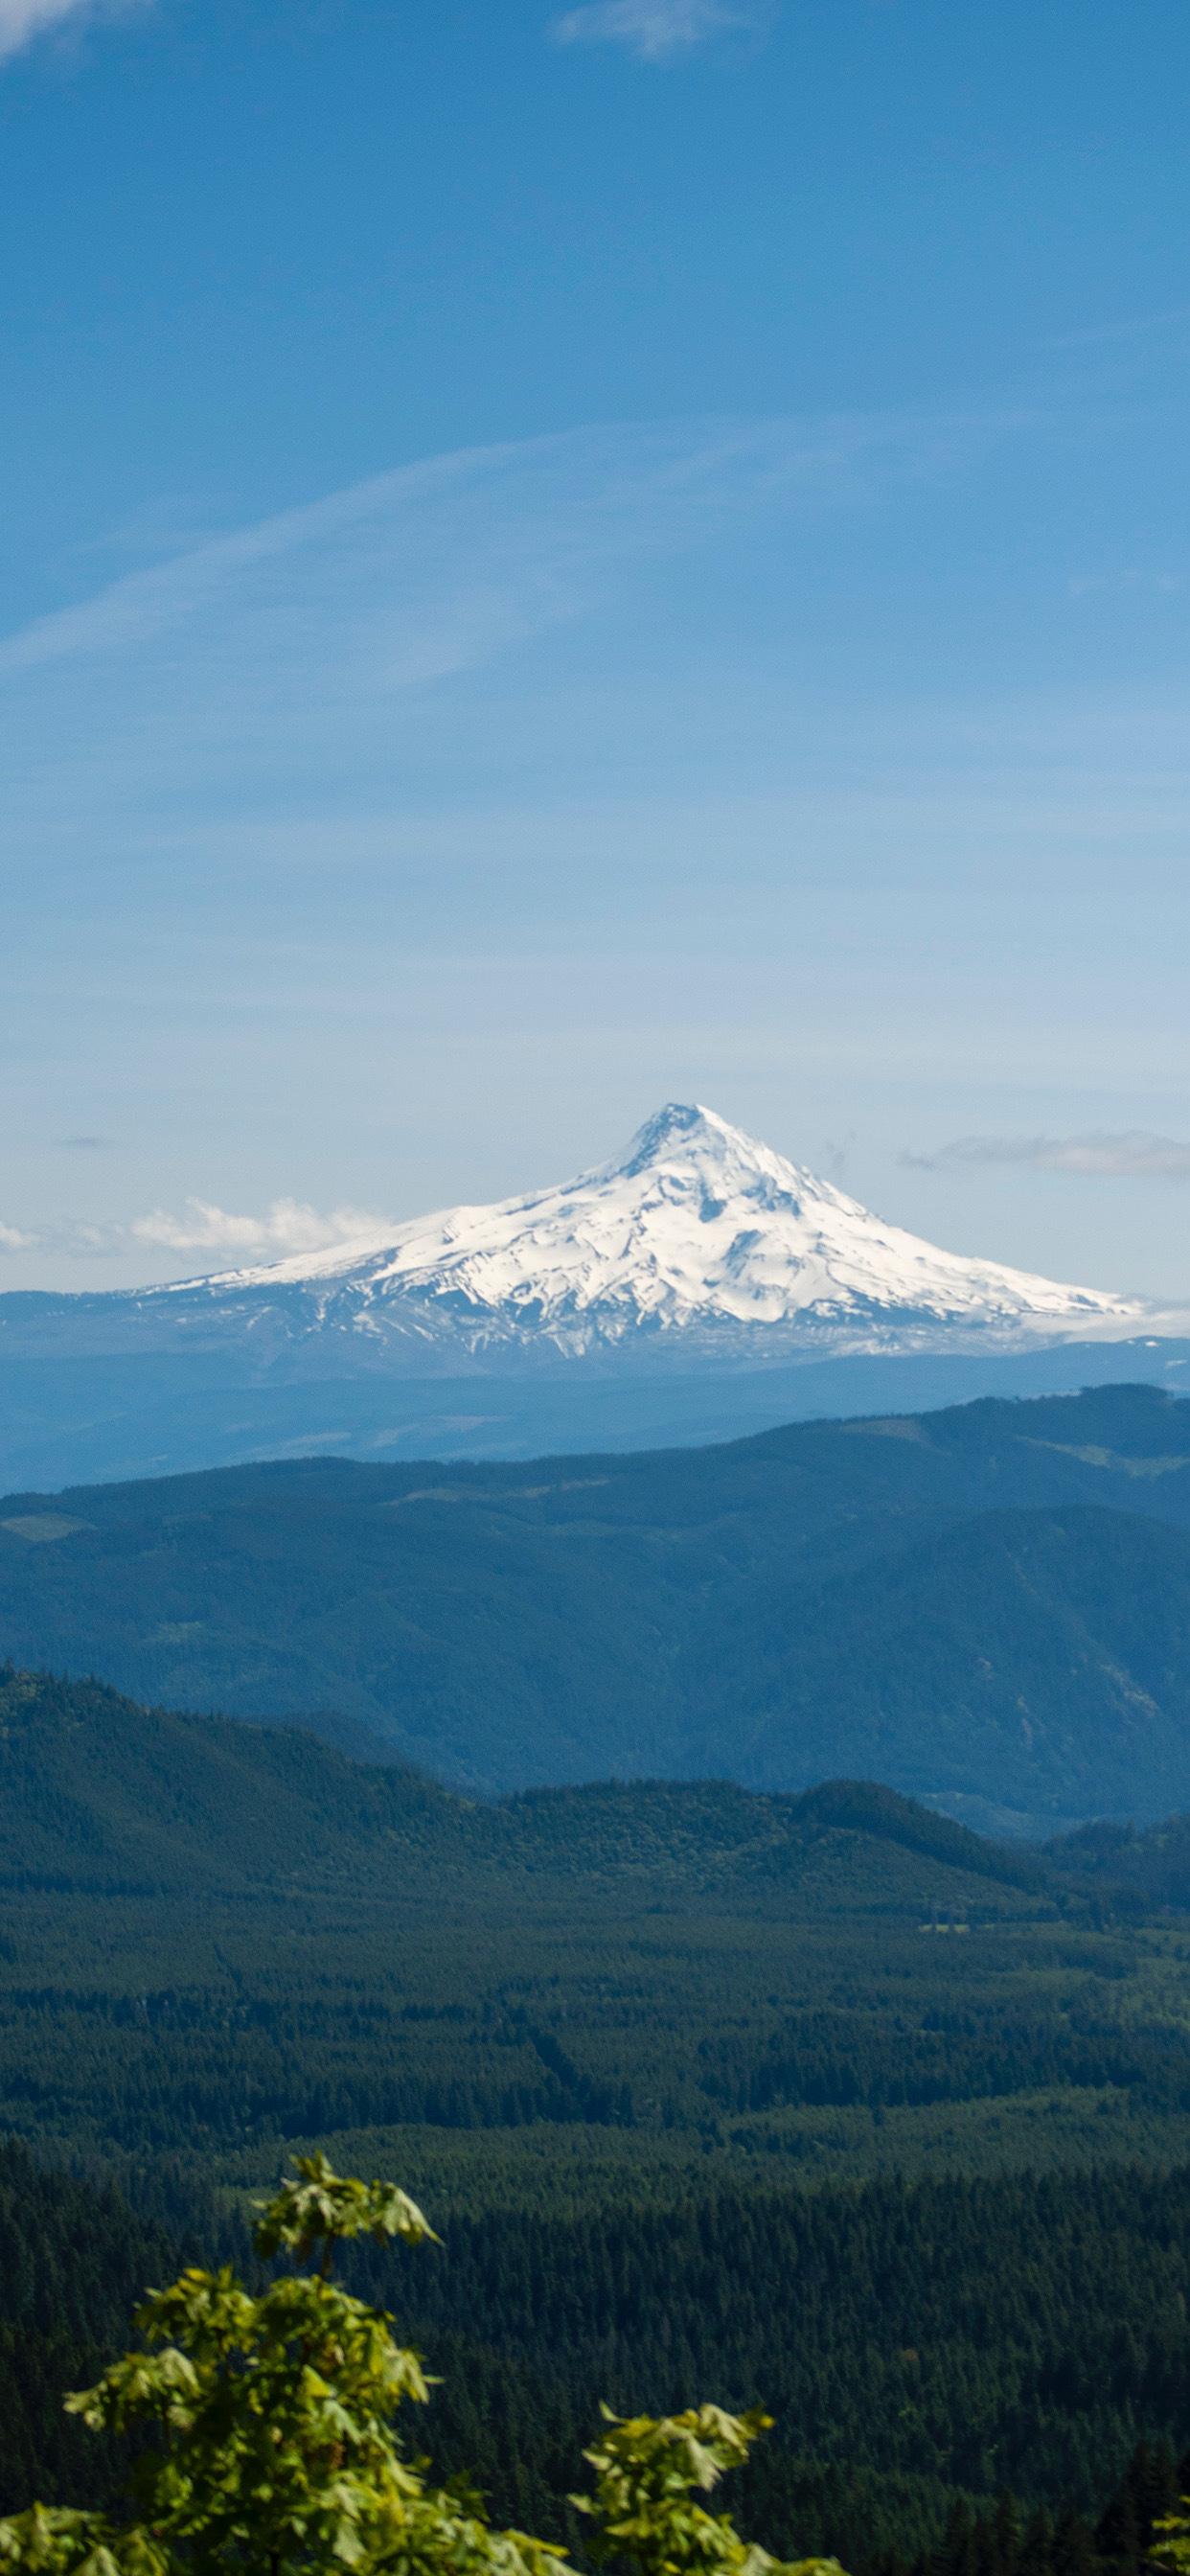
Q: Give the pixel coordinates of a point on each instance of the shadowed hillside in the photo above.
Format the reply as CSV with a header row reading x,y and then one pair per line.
x,y
989,1608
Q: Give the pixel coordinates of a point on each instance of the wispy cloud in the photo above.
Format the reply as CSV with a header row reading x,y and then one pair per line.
x,y
1083,584
23,20
12,1239
347,665
656,31
434,568
1135,1154
1134,326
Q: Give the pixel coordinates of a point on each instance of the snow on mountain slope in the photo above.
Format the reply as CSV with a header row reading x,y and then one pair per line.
x,y
695,1230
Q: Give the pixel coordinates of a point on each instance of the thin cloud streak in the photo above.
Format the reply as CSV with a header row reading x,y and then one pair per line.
x,y
656,31
1082,585
1136,1154
1136,326
353,656
435,564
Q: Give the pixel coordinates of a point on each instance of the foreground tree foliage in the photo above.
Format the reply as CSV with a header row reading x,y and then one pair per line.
x,y
268,2440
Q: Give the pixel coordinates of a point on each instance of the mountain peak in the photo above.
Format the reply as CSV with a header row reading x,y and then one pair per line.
x,y
680,1127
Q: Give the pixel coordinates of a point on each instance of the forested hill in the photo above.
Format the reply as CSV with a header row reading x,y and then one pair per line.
x,y
988,1607
98,1793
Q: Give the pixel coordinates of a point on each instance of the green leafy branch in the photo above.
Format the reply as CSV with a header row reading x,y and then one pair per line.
x,y
274,2449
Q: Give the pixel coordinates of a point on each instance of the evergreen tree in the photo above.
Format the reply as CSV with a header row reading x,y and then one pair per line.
x,y
273,2449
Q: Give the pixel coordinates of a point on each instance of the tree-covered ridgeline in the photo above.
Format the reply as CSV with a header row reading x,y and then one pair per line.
x,y
676,1613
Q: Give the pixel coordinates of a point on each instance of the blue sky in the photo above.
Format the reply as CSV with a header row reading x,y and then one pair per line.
x,y
558,558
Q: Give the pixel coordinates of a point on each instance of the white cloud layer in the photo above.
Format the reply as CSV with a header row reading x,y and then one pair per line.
x,y
655,30
1136,1154
286,1226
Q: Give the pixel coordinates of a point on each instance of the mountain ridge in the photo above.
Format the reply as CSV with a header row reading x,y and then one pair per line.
x,y
988,1608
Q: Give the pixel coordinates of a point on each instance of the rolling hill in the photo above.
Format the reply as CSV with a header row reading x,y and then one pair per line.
x,y
99,1794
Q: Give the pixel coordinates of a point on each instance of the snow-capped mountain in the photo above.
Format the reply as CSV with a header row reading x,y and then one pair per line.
x,y
695,1233
696,1287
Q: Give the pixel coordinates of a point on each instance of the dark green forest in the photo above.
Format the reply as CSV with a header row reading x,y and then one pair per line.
x,y
73,2262
819,2100
967,2378
802,2095
987,1608
215,1938
935,2338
